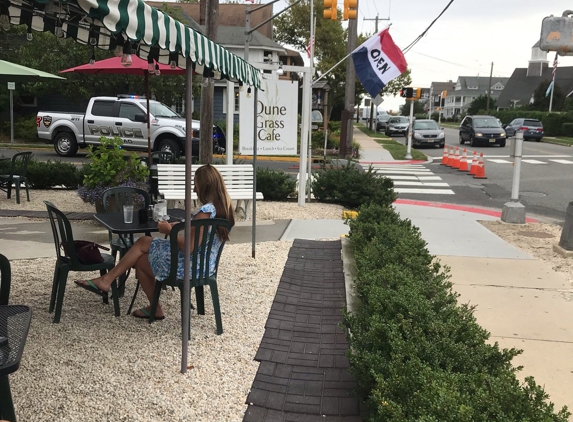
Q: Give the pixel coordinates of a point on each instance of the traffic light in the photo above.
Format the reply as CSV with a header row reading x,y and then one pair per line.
x,y
403,93
418,93
330,9
443,99
350,9
409,92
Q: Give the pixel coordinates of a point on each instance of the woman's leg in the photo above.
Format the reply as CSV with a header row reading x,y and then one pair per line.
x,y
139,248
147,280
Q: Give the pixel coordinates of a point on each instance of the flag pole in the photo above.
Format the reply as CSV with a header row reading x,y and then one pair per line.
x,y
553,83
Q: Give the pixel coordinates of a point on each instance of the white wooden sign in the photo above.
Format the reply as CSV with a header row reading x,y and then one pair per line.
x,y
277,117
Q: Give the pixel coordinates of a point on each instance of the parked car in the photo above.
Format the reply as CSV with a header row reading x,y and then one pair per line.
x,y
397,125
427,132
381,121
532,129
482,130
124,116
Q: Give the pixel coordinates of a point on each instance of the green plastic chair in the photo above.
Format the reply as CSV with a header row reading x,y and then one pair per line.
x,y
17,175
199,267
5,279
62,231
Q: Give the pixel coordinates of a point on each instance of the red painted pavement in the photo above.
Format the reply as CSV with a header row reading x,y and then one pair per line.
x,y
394,162
476,210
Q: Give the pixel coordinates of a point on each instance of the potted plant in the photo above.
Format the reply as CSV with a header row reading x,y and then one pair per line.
x,y
109,167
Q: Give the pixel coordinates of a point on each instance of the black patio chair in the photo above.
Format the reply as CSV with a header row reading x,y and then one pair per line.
x,y
68,261
17,176
200,276
158,157
5,279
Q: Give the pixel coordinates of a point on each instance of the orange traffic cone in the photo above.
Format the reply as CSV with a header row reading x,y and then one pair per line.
x,y
450,157
456,162
480,172
464,162
445,156
474,165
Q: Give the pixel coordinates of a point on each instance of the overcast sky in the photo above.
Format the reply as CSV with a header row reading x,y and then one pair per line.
x,y
468,37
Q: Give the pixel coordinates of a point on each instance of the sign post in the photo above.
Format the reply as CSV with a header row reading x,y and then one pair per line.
x,y
409,144
11,88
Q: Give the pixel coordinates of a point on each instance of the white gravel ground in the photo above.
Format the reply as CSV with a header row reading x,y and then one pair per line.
x,y
95,367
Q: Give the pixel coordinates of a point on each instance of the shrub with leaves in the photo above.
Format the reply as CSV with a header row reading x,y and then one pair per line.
x,y
417,354
49,174
108,167
347,186
275,185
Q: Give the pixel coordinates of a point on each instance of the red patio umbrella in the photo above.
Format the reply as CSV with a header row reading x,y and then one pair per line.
x,y
115,65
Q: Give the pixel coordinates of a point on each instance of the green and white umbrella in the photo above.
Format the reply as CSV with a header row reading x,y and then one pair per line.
x,y
108,23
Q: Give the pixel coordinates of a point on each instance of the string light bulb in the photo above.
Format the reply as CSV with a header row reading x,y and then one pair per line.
x,y
150,65
93,59
119,47
241,87
93,40
157,70
249,92
172,64
58,30
205,82
29,35
126,59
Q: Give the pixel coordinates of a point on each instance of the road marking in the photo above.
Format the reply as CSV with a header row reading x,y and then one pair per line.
x,y
428,191
533,161
562,161
395,177
421,179
529,156
433,184
499,161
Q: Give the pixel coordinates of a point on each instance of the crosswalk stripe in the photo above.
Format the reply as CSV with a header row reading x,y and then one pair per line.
x,y
413,172
533,162
498,161
562,161
428,191
397,177
433,184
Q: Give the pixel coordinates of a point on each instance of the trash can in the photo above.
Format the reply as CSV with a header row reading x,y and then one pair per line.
x,y
566,241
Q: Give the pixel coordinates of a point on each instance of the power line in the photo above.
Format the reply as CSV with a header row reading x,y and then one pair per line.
x,y
413,43
453,63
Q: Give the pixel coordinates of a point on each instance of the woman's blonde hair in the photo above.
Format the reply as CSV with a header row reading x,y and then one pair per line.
x,y
210,187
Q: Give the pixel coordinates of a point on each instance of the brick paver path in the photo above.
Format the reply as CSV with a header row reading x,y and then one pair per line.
x,y
303,375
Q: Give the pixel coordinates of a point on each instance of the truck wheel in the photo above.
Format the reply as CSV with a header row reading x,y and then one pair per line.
x,y
65,144
171,146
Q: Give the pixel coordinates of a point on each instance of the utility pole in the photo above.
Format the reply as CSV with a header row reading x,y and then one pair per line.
x,y
350,92
207,91
489,87
376,19
247,32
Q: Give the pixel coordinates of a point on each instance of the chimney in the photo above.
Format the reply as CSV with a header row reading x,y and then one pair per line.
x,y
202,11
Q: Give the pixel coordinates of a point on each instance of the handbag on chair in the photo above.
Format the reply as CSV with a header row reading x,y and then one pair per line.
x,y
87,252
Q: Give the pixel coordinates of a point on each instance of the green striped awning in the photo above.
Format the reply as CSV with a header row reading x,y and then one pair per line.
x,y
104,23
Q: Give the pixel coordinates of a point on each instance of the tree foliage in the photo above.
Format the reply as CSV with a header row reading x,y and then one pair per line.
x,y
541,102
480,103
419,108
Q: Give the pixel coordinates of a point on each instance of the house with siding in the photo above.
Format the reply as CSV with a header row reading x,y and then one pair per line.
x,y
467,89
436,89
525,80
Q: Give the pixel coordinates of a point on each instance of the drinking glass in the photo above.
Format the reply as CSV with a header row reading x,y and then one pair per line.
x,y
128,213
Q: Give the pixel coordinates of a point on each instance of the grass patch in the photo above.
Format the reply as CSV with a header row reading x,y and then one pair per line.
x,y
561,140
450,125
398,150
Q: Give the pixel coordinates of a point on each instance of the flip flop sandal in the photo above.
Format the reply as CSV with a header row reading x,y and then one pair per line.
x,y
91,287
146,315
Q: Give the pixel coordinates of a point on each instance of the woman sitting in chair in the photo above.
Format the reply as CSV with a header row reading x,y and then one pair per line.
x,y
151,256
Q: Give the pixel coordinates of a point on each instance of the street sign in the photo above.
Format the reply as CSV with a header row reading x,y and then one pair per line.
x,y
316,116
378,100
12,85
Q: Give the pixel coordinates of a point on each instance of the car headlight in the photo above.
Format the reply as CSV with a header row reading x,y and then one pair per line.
x,y
479,135
418,136
441,135
502,135
181,128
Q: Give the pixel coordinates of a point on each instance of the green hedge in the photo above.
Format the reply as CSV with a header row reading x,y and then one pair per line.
x,y
49,174
417,354
552,122
567,129
275,185
347,186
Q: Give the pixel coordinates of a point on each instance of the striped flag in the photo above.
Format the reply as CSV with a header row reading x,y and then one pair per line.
x,y
554,67
309,47
377,61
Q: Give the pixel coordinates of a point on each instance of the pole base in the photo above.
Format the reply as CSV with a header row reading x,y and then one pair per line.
x,y
513,213
562,251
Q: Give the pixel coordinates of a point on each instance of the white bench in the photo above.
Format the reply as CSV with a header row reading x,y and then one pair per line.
x,y
238,180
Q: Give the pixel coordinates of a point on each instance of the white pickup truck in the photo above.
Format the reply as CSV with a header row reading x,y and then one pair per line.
x,y
124,116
